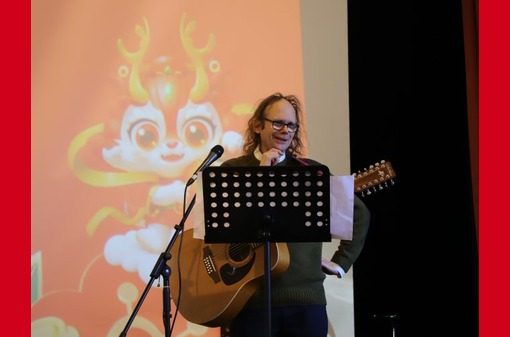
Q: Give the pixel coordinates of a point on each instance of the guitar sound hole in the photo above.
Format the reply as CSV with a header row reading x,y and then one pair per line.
x,y
239,252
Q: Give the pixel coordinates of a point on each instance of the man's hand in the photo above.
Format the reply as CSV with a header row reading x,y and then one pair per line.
x,y
270,157
331,268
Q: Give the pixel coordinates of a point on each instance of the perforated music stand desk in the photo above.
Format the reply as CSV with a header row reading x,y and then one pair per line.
x,y
266,204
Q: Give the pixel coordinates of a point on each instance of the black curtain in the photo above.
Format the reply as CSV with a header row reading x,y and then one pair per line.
x,y
408,105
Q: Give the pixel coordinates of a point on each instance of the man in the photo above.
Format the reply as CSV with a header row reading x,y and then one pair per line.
x,y
273,137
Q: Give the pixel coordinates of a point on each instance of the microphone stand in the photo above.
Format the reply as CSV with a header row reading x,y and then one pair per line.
x,y
161,269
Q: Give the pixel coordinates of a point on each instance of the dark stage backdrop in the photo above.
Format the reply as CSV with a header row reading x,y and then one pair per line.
x,y
409,105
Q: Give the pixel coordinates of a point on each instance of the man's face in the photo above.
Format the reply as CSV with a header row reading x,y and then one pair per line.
x,y
281,111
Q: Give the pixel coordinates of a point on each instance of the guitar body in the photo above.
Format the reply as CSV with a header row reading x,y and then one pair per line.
x,y
218,279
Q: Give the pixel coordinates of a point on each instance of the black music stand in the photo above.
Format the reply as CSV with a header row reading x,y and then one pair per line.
x,y
266,204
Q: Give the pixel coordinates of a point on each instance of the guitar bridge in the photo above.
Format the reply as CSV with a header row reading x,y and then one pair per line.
x,y
209,265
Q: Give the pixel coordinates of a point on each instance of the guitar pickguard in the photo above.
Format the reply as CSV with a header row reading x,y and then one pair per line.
x,y
231,275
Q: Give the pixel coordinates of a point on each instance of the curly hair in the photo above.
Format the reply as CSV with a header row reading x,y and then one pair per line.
x,y
252,139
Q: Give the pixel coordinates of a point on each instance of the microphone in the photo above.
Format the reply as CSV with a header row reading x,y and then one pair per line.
x,y
214,154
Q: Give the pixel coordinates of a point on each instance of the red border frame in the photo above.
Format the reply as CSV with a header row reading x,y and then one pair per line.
x,y
494,120
16,149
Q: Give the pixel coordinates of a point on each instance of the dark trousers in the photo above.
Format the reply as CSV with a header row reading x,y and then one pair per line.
x,y
289,321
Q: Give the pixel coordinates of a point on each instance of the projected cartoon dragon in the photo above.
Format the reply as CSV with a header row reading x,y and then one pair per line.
x,y
146,151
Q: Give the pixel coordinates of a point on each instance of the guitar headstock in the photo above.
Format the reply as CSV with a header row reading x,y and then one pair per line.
x,y
376,177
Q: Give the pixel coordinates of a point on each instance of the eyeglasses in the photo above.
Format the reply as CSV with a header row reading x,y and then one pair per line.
x,y
278,125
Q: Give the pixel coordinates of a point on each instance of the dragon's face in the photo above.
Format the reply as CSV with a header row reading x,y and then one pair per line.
x,y
145,146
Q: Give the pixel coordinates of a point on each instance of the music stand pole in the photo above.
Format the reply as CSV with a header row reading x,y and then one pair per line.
x,y
161,269
266,234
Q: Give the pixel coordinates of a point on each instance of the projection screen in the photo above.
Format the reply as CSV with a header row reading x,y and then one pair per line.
x,y
128,97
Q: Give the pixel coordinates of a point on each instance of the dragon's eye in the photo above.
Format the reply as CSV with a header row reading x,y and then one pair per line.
x,y
145,135
197,132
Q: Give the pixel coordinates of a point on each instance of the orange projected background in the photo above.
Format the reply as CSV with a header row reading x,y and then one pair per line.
x,y
128,97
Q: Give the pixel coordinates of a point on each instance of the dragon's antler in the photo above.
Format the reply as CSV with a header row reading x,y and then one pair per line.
x,y
136,89
197,56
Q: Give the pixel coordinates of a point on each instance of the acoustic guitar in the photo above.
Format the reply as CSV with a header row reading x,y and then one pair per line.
x,y
218,279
